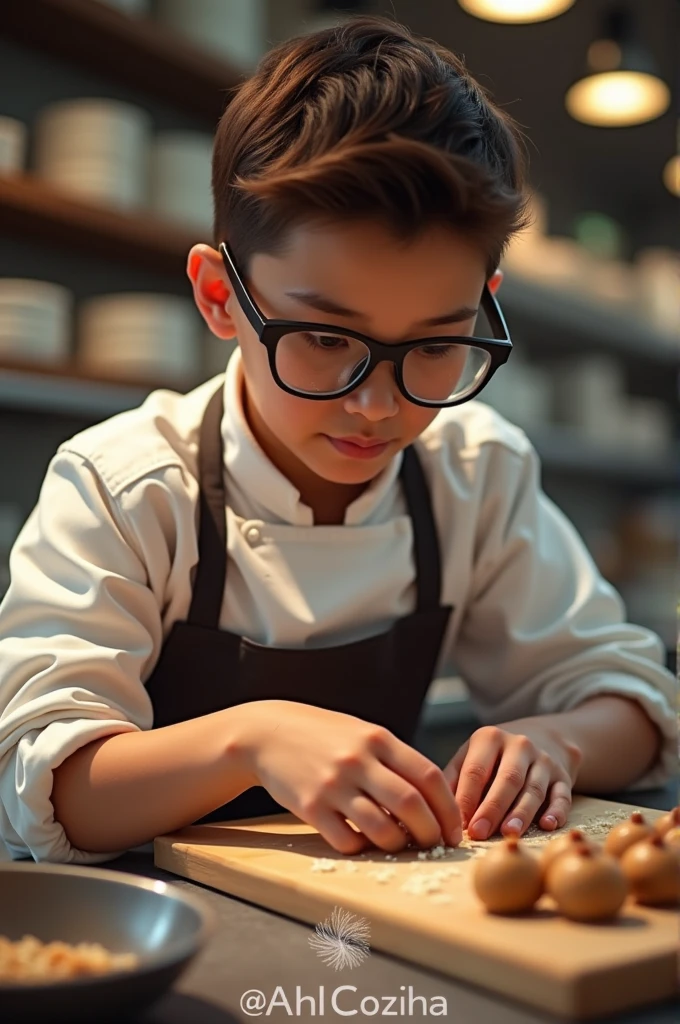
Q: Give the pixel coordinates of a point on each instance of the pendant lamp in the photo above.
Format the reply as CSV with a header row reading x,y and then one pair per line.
x,y
515,11
621,86
671,172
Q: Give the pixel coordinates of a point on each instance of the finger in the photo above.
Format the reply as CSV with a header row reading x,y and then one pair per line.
x,y
511,778
452,769
333,827
426,778
533,794
376,822
485,746
405,803
559,806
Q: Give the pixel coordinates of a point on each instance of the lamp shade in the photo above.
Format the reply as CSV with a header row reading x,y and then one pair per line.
x,y
671,175
621,86
515,11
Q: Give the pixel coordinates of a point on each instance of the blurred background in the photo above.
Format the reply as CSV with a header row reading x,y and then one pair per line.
x,y
107,109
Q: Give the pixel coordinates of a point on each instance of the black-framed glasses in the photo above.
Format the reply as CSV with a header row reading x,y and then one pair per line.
x,y
325,361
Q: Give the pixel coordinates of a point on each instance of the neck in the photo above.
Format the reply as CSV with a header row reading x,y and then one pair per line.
x,y
327,500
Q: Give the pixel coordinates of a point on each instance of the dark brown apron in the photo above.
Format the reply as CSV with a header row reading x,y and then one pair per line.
x,y
382,679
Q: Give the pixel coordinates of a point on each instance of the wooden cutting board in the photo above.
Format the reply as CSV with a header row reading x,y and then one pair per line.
x,y
574,970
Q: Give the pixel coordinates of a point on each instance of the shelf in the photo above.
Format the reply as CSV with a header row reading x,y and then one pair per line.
x,y
567,451
29,206
73,391
68,391
137,51
558,319
557,322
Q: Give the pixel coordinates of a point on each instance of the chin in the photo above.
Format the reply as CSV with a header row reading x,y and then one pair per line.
x,y
351,472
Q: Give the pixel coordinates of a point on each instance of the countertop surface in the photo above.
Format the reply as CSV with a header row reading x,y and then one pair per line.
x,y
268,955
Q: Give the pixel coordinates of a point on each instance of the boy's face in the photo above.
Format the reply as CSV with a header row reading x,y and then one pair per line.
x,y
392,288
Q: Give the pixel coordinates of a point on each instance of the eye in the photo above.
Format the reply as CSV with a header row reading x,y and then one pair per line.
x,y
437,351
330,342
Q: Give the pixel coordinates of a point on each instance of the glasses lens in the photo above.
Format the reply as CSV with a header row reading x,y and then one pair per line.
x,y
443,371
319,364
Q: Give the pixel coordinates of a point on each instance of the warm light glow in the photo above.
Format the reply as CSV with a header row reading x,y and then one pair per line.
x,y
618,99
517,11
671,175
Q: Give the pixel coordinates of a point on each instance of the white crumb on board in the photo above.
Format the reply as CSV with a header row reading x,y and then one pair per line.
x,y
382,875
323,864
426,879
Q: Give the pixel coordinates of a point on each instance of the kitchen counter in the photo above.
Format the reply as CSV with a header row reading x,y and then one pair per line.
x,y
256,949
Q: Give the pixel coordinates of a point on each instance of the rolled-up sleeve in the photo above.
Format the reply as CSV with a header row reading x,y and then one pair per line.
x,y
542,630
79,627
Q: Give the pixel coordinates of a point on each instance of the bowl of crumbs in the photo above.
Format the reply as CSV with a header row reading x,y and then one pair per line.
x,y
79,943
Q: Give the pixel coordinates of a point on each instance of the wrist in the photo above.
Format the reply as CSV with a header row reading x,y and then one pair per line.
x,y
242,738
236,752
571,749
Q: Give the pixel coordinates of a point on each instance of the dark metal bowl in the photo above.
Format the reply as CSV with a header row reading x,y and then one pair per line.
x,y
159,922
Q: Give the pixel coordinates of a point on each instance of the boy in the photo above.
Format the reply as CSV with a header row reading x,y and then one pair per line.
x,y
233,602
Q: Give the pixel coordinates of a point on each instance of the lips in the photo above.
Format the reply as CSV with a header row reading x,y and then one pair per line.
x,y
362,442
358,447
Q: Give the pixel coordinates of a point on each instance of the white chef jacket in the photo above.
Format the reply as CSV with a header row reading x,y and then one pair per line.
x,y
104,566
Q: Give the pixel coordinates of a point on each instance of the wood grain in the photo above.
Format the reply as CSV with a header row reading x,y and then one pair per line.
x,y
575,970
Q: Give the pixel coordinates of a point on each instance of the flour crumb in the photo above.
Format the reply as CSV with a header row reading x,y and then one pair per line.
x,y
351,866
422,884
382,875
441,897
323,864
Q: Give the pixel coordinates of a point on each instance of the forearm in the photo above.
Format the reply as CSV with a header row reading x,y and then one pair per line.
x,y
617,740
123,790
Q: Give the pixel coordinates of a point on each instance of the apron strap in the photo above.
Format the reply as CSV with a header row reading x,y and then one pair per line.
x,y
425,539
211,572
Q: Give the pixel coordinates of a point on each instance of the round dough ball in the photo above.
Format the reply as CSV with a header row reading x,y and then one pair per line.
x,y
509,879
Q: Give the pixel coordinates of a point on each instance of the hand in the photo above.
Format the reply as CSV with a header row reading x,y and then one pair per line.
x,y
534,768
328,768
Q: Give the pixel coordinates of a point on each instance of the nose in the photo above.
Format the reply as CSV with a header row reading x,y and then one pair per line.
x,y
377,398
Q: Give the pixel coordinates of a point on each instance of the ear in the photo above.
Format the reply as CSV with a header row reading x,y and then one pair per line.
x,y
212,290
494,281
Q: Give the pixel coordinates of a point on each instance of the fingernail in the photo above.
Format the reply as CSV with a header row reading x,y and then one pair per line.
x,y
515,824
480,829
550,820
456,836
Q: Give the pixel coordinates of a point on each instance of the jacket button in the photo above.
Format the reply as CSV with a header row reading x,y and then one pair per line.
x,y
253,536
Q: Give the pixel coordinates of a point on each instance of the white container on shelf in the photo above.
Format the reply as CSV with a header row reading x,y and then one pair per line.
x,y
141,335
228,28
613,282
590,394
36,320
13,138
657,273
95,148
649,426
551,261
180,169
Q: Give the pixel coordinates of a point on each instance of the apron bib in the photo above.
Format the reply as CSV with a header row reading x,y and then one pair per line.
x,y
382,679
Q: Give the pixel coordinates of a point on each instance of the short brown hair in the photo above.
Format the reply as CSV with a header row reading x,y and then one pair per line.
x,y
365,121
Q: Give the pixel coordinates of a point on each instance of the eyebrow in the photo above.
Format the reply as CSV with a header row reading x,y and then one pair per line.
x,y
320,302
